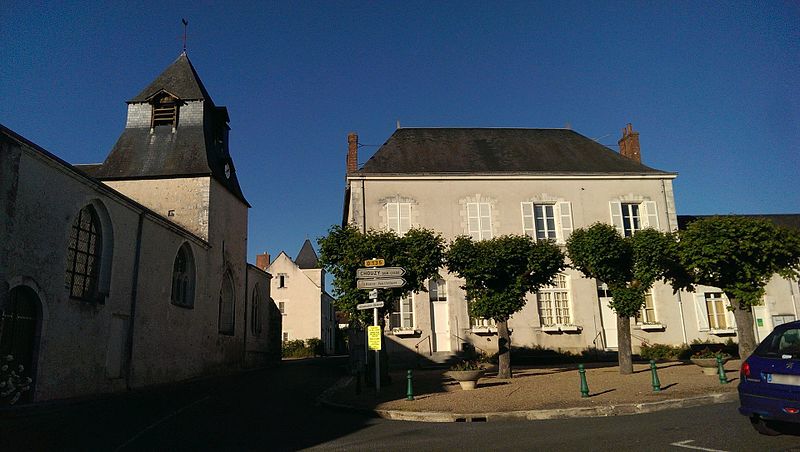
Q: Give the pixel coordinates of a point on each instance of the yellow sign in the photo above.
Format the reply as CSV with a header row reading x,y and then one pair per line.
x,y
374,337
374,263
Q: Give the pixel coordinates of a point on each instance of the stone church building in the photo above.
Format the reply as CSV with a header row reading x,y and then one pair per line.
x,y
132,272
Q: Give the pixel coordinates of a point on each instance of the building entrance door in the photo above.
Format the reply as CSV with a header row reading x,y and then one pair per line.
x,y
609,324
441,326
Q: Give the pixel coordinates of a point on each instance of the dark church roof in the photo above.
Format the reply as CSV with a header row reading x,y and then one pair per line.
x,y
192,150
179,79
787,220
307,258
497,150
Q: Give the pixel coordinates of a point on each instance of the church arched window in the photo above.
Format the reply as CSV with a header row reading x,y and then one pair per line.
x,y
84,256
227,306
183,272
255,319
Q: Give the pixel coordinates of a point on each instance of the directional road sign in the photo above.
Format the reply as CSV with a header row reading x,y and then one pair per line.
x,y
384,272
365,306
380,283
374,263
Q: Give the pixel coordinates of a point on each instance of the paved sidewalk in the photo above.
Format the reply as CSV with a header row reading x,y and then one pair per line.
x,y
540,392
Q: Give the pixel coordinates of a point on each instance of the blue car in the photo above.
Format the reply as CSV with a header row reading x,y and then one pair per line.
x,y
769,387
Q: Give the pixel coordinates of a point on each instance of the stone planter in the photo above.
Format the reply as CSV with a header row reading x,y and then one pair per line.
x,y
708,365
468,379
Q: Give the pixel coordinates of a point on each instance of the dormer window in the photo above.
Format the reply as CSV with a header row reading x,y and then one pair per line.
x,y
165,111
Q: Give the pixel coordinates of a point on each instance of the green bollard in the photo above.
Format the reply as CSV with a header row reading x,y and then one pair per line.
x,y
656,382
723,377
584,385
410,392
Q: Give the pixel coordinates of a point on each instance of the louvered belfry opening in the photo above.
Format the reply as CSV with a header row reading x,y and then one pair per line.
x,y
165,111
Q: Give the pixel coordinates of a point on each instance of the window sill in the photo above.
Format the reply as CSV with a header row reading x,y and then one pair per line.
x,y
406,332
723,332
484,330
652,327
558,329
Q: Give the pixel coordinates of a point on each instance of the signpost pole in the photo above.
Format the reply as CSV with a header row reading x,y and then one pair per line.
x,y
377,354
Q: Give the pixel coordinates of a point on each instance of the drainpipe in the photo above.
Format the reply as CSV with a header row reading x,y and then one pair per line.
x,y
794,301
134,291
363,208
683,321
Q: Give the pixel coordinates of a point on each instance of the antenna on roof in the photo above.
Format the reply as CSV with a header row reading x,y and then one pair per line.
x,y
185,25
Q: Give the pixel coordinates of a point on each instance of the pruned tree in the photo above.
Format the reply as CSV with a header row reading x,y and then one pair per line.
x,y
739,255
343,251
499,273
629,266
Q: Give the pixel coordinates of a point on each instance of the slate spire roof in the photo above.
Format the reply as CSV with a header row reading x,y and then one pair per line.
x,y
307,258
497,150
179,79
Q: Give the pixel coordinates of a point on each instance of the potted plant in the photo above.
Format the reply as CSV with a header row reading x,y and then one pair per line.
x,y
707,360
466,373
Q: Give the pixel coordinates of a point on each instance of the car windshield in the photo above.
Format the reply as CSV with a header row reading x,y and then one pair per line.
x,y
781,344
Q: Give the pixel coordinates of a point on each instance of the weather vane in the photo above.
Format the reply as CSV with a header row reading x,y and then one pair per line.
x,y
185,25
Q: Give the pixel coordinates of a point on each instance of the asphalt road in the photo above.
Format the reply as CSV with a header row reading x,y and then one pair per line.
x,y
275,409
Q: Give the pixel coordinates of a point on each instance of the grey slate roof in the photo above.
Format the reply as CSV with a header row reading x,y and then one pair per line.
x,y
497,150
307,258
179,79
787,220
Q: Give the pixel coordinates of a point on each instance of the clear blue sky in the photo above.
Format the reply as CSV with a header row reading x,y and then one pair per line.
x,y
712,87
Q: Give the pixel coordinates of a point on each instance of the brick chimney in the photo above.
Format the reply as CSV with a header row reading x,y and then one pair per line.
x,y
262,261
352,152
629,144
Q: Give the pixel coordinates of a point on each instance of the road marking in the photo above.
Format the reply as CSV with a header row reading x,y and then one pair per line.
x,y
687,446
160,421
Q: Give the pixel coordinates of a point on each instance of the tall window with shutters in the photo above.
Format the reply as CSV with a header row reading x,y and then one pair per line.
x,y
629,217
398,216
547,221
479,220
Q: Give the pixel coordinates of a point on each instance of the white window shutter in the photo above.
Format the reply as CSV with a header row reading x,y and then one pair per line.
x,y
392,219
565,216
650,217
700,310
486,220
731,319
616,216
404,214
473,220
528,225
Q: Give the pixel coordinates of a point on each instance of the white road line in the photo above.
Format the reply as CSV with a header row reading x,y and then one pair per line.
x,y
686,445
156,423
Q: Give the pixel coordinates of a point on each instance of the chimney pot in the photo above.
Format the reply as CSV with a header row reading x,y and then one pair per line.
x,y
262,261
352,152
629,144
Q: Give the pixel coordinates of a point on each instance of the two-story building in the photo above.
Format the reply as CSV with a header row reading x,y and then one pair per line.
x,y
487,182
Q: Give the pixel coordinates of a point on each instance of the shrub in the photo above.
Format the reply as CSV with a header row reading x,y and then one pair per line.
x,y
662,352
299,348
467,365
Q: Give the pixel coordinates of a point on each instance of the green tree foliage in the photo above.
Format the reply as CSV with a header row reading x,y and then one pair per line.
x,y
344,250
739,255
629,266
498,274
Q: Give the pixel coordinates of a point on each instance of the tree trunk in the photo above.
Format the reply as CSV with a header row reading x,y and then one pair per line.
x,y
503,350
624,345
744,328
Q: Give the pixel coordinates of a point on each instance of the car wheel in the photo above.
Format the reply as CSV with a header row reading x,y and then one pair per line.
x,y
763,426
